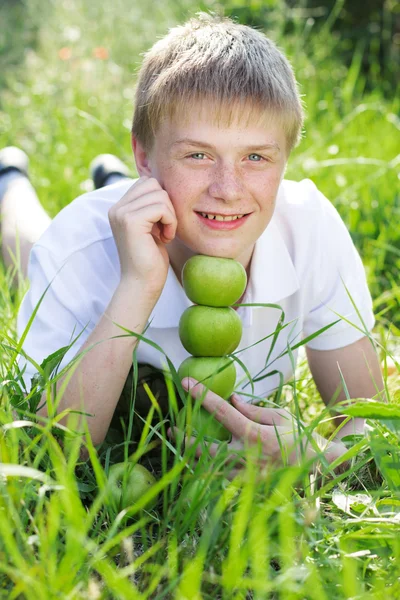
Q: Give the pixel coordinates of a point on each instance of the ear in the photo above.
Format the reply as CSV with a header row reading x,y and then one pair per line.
x,y
142,158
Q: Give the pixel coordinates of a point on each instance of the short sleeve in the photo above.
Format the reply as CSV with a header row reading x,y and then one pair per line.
x,y
340,291
62,315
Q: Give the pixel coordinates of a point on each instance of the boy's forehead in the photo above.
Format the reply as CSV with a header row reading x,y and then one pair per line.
x,y
235,117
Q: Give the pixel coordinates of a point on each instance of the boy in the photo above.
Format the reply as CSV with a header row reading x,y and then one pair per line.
x,y
217,114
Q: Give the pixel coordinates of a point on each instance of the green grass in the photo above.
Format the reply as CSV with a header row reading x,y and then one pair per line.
x,y
283,535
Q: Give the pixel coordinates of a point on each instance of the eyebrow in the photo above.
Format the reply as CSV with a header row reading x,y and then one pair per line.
x,y
189,142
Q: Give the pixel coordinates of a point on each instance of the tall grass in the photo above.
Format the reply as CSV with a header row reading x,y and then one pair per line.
x,y
67,88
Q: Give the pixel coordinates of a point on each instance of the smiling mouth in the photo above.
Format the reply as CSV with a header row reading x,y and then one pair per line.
x,y
218,217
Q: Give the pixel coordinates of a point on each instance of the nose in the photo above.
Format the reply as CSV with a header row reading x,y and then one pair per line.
x,y
226,184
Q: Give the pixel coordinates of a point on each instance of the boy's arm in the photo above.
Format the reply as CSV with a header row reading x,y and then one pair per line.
x,y
98,381
143,221
361,371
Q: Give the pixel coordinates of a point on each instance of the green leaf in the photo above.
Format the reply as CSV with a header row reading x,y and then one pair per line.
x,y
368,410
388,506
378,539
86,487
53,360
387,458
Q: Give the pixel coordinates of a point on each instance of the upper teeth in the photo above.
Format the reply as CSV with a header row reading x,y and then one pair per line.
x,y
221,218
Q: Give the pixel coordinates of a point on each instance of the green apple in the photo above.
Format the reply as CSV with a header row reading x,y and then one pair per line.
x,y
213,281
205,368
128,482
209,331
202,422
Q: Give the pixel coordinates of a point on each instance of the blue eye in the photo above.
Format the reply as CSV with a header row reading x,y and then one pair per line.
x,y
197,154
258,156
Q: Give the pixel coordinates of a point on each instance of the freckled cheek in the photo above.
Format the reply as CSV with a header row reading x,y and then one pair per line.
x,y
181,207
175,184
183,198
268,199
185,215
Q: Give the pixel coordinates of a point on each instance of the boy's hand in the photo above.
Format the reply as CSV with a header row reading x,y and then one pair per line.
x,y
142,222
275,430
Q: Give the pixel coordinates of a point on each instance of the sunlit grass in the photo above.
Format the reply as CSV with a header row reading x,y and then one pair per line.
x,y
67,91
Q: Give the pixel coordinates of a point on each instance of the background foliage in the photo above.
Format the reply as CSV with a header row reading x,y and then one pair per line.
x,y
67,77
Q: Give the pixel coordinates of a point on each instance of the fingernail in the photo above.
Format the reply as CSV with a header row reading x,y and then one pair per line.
x,y
238,399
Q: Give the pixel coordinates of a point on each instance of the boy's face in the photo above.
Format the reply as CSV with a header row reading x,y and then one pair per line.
x,y
219,170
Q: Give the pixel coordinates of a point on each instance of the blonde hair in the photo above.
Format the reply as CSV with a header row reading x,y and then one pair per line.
x,y
212,58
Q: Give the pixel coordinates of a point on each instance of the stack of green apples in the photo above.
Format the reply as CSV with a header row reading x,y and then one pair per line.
x,y
210,330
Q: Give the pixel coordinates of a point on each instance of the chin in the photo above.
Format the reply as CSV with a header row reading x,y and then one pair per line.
x,y
217,252
223,249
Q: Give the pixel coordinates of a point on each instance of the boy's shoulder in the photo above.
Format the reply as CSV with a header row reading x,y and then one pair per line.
x,y
302,194
83,222
302,207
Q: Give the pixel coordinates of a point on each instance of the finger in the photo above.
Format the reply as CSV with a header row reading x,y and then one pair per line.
x,y
141,186
164,230
262,415
150,192
146,198
167,225
237,423
147,216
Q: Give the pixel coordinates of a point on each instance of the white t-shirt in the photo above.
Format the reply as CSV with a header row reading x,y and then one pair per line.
x,y
303,263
